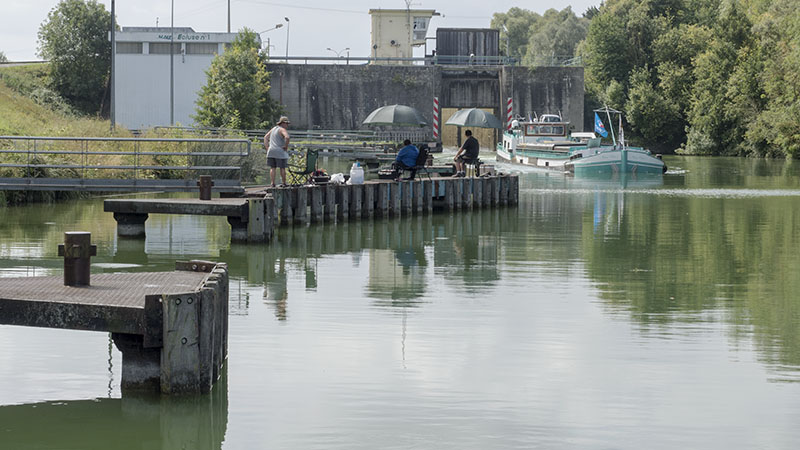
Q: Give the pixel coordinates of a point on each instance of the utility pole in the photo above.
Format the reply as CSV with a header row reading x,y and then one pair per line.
x,y
113,59
172,65
229,16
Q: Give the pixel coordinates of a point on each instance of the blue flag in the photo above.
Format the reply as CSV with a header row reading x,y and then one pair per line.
x,y
599,128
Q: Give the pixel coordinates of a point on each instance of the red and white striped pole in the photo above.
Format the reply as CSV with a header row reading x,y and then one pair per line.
x,y
509,112
436,118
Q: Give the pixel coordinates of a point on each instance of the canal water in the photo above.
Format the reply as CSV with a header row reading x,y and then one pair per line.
x,y
639,313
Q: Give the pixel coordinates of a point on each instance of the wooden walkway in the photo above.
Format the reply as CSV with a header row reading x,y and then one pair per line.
x,y
254,218
171,327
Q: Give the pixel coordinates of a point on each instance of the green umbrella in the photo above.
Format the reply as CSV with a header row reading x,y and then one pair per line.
x,y
474,117
400,115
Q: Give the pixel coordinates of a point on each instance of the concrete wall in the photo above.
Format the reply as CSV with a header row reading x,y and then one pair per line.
x,y
341,96
546,90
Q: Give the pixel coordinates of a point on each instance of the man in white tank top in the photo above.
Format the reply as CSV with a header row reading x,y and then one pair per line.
x,y
276,142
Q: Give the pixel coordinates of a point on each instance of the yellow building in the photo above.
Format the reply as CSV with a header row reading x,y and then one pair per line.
x,y
395,32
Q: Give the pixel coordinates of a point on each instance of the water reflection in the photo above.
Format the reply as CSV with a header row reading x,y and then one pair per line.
x,y
132,422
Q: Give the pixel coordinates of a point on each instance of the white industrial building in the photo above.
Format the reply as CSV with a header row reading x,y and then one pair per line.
x,y
142,73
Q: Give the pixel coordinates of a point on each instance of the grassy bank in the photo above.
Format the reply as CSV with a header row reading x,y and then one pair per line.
x,y
29,108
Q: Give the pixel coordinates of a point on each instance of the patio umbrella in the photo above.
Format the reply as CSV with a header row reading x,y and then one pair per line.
x,y
400,115
474,117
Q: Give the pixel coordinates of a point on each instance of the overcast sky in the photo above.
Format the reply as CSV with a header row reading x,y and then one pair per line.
x,y
314,26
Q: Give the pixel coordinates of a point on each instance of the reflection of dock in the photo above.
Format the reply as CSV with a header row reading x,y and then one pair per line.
x,y
253,218
171,327
133,421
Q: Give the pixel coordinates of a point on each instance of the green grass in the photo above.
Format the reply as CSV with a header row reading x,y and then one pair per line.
x,y
29,108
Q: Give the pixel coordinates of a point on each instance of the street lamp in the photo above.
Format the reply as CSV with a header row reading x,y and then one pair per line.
x,y
287,39
339,53
277,25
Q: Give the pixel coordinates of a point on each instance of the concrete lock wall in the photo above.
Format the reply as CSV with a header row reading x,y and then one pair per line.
x,y
340,97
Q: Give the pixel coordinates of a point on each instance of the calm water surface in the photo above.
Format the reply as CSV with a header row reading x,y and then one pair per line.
x,y
639,313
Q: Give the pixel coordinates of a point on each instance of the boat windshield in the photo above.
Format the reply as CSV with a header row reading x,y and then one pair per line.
x,y
545,130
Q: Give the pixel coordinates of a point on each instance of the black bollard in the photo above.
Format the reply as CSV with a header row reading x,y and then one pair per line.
x,y
76,250
205,184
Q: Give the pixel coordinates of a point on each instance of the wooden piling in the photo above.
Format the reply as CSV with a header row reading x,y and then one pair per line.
x,y
405,197
301,205
356,200
477,192
316,203
180,355
382,201
256,223
494,194
330,203
270,217
513,195
458,193
427,196
416,196
282,196
368,205
449,193
467,194
502,183
394,199
343,202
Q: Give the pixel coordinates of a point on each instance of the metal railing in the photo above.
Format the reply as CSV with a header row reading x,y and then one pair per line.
x,y
442,60
342,136
120,164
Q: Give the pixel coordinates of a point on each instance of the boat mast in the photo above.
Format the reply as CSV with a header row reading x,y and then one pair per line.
x,y
611,126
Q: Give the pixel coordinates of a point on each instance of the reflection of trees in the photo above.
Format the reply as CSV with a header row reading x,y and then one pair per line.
x,y
678,259
128,423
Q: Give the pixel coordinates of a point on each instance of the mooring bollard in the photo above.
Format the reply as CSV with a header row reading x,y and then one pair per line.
x,y
76,250
205,184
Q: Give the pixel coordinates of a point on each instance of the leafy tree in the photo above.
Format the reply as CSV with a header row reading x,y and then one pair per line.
x,y
515,29
3,57
237,92
557,34
74,37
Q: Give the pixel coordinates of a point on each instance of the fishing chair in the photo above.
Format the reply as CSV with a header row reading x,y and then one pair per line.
x,y
301,169
419,164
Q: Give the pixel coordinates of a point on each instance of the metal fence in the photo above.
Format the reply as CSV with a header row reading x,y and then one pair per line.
x,y
341,136
457,60
120,164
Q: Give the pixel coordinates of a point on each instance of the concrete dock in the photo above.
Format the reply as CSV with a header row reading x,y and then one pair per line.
x,y
171,327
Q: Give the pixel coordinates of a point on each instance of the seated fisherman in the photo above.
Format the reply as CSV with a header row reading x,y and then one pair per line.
x,y
467,154
406,159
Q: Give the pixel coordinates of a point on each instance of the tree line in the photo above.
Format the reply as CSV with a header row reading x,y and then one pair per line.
x,y
705,77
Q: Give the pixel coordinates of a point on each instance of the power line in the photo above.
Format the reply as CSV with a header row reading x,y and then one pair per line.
x,y
295,6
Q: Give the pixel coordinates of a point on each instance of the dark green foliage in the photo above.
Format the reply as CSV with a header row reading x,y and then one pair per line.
x,y
237,93
715,77
75,40
536,39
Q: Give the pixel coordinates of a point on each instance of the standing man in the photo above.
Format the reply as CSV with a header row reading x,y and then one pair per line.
x,y
467,154
276,141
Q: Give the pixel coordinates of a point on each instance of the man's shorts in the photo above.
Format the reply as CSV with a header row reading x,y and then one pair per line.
x,y
463,158
281,163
